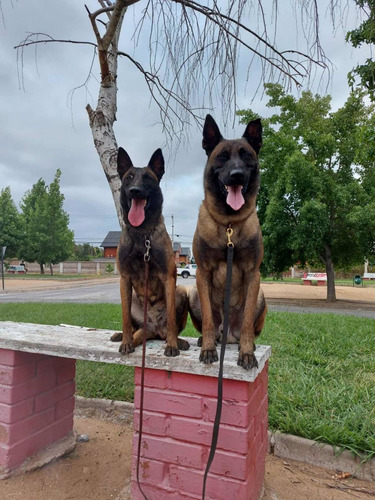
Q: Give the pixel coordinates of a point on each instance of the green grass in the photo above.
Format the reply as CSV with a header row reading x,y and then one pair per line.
x,y
321,375
322,378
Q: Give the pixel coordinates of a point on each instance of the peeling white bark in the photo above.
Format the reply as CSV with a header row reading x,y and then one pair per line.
x,y
103,117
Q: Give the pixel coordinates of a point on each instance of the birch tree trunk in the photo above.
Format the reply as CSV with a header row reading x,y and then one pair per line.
x,y
103,117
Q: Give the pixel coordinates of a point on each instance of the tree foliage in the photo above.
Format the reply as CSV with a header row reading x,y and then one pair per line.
x,y
316,202
10,224
86,252
47,237
364,34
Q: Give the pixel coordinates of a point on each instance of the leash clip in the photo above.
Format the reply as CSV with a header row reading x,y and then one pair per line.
x,y
229,235
146,256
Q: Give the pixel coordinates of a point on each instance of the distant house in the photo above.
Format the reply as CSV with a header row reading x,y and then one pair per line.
x,y
181,254
111,241
185,255
110,244
177,251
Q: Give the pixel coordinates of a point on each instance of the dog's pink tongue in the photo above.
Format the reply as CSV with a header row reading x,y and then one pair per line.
x,y
234,197
136,213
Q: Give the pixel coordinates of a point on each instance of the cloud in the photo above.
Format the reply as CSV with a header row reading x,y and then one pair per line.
x,y
45,126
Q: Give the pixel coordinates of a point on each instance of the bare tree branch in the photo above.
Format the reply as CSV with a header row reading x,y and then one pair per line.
x,y
29,41
162,95
193,55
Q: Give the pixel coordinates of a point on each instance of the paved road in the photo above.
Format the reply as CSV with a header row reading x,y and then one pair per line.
x,y
109,292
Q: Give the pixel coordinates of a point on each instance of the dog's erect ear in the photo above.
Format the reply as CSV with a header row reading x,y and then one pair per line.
x,y
157,164
211,135
253,134
123,162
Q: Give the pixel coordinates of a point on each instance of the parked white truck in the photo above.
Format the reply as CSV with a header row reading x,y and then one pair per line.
x,y
187,271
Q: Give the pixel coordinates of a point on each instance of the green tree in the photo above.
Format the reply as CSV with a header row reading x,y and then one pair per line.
x,y
364,34
59,240
34,223
85,252
10,224
316,203
47,238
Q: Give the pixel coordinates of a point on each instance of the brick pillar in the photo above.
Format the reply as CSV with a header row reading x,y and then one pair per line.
x,y
179,410
36,404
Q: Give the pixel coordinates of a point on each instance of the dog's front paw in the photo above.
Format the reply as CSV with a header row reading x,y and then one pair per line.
x,y
116,337
126,348
247,361
171,351
183,345
208,356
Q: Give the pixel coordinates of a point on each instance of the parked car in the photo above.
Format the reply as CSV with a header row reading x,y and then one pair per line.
x,y
17,269
189,270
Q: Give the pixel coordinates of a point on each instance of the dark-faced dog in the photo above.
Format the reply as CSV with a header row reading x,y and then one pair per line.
x,y
231,181
141,203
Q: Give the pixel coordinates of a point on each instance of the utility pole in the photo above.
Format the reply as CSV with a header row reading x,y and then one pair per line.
x,y
172,229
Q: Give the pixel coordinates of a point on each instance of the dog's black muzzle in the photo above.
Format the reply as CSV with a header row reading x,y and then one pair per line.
x,y
136,192
234,177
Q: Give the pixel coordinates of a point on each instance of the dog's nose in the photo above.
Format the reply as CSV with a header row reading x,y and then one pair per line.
x,y
135,191
236,175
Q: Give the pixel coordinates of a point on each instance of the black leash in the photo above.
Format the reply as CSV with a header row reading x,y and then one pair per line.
x,y
146,259
215,432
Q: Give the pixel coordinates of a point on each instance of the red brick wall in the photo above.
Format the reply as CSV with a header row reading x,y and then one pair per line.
x,y
179,410
36,404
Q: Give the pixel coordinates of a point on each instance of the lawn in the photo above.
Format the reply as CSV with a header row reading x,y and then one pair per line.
x,y
321,372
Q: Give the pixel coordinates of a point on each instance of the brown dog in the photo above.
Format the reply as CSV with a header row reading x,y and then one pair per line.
x,y
231,181
141,203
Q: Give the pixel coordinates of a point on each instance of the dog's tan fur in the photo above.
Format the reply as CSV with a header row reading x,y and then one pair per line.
x,y
247,304
167,305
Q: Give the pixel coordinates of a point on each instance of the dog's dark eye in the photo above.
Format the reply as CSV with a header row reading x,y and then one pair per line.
x,y
223,156
245,155
129,177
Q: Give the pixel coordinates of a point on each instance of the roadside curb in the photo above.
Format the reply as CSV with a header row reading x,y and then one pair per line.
x,y
281,445
114,411
319,454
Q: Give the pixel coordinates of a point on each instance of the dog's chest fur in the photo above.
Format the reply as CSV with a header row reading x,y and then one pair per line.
x,y
210,249
131,262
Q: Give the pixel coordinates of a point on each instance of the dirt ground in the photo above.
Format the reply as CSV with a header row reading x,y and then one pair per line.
x,y
14,284
100,469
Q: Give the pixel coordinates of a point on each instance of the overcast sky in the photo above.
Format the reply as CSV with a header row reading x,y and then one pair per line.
x,y
44,128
